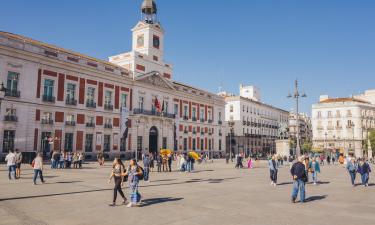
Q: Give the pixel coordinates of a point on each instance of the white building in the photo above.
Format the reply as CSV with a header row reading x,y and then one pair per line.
x,y
256,125
305,127
342,124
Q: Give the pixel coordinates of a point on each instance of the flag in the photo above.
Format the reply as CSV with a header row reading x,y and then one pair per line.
x,y
162,109
125,134
157,104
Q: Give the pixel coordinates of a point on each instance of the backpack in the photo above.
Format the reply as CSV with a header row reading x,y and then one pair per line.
x,y
141,177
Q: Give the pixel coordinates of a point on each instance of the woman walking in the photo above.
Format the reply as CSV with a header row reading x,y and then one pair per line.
x,y
118,171
352,168
134,172
273,166
365,170
37,165
314,169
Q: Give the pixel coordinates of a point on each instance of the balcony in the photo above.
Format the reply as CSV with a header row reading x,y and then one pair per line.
x,y
220,134
210,121
202,133
210,133
320,128
220,122
202,120
47,121
108,126
108,106
70,123
90,124
194,119
49,98
330,127
90,104
153,113
185,131
10,118
70,101
186,118
194,132
12,93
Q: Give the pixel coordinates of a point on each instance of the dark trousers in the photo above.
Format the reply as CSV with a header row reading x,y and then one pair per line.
x,y
36,174
159,167
365,178
352,177
273,175
170,166
11,171
146,173
118,189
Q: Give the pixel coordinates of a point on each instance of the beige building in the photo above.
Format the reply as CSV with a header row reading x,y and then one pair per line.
x,y
58,99
305,127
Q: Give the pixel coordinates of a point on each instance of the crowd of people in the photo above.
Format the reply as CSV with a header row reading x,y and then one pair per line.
x,y
66,160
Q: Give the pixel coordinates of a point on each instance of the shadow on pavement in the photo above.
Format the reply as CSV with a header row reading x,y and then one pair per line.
x,y
153,201
65,182
315,198
284,183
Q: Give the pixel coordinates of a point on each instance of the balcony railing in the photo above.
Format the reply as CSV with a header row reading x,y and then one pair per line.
x,y
220,122
194,119
153,113
108,106
186,118
90,124
47,121
10,118
70,101
220,134
70,123
108,126
194,132
185,131
48,98
12,93
210,121
202,120
90,104
202,133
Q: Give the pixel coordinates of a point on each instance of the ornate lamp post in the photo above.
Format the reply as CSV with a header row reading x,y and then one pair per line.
x,y
230,124
296,96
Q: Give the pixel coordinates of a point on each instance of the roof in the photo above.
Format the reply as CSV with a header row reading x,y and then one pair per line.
x,y
332,100
55,48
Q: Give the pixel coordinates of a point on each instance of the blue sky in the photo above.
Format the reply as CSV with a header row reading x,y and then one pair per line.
x,y
329,45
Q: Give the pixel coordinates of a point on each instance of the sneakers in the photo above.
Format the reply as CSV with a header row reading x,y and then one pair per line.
x,y
112,205
130,205
293,200
272,183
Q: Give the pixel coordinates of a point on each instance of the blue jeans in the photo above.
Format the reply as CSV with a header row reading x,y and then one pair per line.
x,y
352,177
146,172
36,173
12,172
189,166
365,178
298,185
61,164
314,176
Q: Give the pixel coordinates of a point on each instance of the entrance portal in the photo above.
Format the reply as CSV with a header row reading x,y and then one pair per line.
x,y
153,141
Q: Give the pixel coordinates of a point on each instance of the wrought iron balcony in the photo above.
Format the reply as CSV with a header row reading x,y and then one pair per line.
x,y
108,126
47,121
185,131
202,120
108,106
220,122
10,118
194,119
49,98
70,123
186,118
90,124
90,104
70,101
210,121
12,93
153,113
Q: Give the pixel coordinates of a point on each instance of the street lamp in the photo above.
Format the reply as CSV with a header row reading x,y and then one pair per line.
x,y
296,96
231,124
136,149
2,92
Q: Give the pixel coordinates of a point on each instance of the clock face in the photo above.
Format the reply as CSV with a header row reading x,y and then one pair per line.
x,y
140,41
156,41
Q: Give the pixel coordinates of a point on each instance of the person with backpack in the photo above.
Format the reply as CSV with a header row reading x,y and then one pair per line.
x,y
118,171
299,179
135,174
365,170
18,164
37,165
11,164
352,167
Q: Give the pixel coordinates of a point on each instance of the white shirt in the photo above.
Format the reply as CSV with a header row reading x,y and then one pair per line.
x,y
10,159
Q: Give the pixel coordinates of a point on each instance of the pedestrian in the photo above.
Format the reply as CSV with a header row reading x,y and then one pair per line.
x,y
62,160
11,164
37,165
170,162
299,175
152,163
80,159
18,164
227,158
250,163
183,166
159,161
118,171
134,173
333,160
314,169
328,160
306,162
352,168
273,165
365,170
70,158
146,168
164,162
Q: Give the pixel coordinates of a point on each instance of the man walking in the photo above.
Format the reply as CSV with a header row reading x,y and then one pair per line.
x,y
38,168
274,167
352,168
146,168
18,163
365,170
299,176
11,163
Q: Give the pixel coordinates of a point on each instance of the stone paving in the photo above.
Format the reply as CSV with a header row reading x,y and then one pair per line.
x,y
215,194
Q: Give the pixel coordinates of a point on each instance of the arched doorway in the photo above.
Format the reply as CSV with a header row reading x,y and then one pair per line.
x,y
153,140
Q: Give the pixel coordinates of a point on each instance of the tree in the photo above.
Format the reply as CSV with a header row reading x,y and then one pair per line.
x,y
306,147
371,137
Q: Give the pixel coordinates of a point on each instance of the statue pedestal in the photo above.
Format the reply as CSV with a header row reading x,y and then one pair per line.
x,y
282,148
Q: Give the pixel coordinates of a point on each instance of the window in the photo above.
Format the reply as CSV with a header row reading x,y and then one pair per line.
x,y
194,144
329,114
68,146
319,114
108,98
175,109
349,113
210,144
70,118
107,143
219,116
122,145
88,142
12,84
45,139
48,87
202,114
71,92
185,111
231,108
8,140
140,103
123,100
194,113
90,95
202,144
185,144
164,142
219,144
139,143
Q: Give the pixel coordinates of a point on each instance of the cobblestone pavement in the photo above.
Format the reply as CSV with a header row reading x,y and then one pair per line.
x,y
215,194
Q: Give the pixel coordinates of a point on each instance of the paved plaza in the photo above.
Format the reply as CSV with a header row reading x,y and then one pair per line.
x,y
215,194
